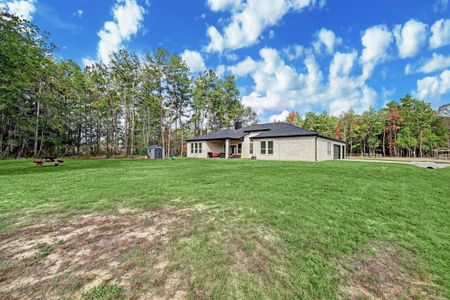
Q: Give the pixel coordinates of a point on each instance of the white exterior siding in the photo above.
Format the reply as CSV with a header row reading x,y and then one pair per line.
x,y
207,146
195,154
246,144
284,148
296,148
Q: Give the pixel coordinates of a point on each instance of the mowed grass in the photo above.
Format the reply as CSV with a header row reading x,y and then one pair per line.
x,y
322,213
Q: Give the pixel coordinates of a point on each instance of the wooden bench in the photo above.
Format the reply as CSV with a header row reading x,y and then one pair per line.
x,y
49,160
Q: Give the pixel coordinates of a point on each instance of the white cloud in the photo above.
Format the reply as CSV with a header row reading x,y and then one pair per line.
x,y
128,16
281,117
440,34
87,61
293,52
440,6
220,71
342,64
78,13
433,87
281,87
231,56
248,20
223,5
328,39
436,63
244,67
194,60
376,41
271,34
216,40
410,37
408,69
21,8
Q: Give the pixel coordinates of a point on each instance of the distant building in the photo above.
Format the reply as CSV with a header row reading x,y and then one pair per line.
x,y
155,152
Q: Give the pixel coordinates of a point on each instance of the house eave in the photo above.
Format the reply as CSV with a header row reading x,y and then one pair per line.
x,y
296,135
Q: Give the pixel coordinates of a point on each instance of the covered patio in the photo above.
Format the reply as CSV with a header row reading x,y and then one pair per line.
x,y
224,148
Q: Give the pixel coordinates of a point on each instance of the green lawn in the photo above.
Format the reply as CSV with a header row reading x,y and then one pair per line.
x,y
252,229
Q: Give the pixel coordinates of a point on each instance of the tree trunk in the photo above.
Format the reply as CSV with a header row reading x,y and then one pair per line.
x,y
161,118
420,143
126,124
36,131
79,140
21,149
169,136
132,124
41,143
115,129
181,138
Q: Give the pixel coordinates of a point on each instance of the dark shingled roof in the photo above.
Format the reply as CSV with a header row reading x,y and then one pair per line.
x,y
282,129
269,130
220,135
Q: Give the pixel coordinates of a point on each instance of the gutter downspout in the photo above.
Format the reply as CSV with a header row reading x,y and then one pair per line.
x,y
315,152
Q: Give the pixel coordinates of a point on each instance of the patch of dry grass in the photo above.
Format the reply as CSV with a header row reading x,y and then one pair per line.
x,y
385,271
170,252
55,258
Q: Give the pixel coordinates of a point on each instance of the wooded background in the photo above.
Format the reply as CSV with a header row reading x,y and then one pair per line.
x,y
55,107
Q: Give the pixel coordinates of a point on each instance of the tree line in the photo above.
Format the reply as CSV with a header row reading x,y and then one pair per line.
x,y
409,128
54,107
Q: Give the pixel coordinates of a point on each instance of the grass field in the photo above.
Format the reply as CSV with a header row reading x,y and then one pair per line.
x,y
111,229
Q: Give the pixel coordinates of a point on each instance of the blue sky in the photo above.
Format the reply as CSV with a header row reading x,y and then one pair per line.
x,y
287,55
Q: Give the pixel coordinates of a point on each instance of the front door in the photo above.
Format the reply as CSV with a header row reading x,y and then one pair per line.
x,y
337,152
233,149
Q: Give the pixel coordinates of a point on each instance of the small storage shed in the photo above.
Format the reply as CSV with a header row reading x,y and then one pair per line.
x,y
155,152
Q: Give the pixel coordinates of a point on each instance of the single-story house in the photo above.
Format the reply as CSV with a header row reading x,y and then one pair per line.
x,y
275,141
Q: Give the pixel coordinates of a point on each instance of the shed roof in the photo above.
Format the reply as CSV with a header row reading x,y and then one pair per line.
x,y
153,147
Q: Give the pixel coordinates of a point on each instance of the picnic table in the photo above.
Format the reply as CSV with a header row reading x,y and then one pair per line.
x,y
49,160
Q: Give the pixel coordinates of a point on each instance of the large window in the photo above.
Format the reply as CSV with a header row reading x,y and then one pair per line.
x,y
239,148
251,147
196,147
192,147
270,147
200,147
263,147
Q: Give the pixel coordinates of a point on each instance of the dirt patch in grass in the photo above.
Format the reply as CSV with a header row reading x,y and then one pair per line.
x,y
385,271
175,252
68,256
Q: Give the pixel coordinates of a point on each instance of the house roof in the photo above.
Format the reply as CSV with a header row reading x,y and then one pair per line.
x,y
221,135
268,130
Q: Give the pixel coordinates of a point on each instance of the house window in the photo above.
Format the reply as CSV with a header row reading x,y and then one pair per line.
x,y
270,147
263,147
200,147
192,147
239,148
251,147
196,147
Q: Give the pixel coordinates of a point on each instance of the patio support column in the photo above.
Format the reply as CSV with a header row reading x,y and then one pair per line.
x,y
227,148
